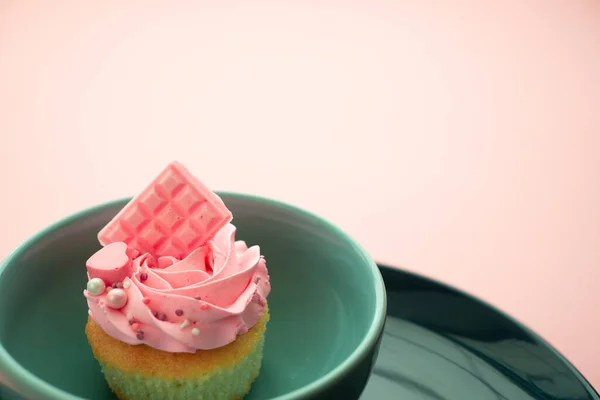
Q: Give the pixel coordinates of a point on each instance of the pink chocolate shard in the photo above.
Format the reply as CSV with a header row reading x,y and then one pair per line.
x,y
111,263
173,216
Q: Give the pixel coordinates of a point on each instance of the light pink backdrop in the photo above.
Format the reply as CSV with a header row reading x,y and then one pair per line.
x,y
458,139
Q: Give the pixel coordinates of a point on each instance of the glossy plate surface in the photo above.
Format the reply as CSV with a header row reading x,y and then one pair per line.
x,y
442,344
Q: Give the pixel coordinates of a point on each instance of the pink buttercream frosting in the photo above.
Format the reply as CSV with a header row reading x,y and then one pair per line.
x,y
171,274
200,302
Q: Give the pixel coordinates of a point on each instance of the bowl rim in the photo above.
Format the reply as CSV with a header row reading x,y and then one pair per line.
x,y
24,382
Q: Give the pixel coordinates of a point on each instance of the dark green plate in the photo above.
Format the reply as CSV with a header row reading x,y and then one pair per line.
x,y
441,344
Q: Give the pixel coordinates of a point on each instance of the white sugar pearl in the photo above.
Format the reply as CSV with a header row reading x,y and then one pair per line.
x,y
96,286
184,324
126,284
116,298
196,331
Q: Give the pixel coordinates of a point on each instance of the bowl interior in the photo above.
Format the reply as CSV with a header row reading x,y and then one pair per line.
x,y
324,298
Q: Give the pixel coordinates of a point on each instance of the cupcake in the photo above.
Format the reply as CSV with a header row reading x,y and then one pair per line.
x,y
177,306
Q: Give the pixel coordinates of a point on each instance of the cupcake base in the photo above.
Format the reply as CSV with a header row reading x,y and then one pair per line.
x,y
141,372
228,383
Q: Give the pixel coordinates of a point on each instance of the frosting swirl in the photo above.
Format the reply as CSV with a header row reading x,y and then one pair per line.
x,y
200,302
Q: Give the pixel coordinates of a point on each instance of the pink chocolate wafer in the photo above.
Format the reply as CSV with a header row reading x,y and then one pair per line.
x,y
111,263
173,216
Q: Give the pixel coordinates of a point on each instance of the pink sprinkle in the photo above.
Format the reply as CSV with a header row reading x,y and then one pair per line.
x,y
146,300
258,299
204,306
179,312
143,276
135,326
140,334
150,262
162,317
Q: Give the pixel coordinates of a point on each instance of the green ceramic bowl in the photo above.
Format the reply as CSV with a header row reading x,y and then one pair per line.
x,y
327,307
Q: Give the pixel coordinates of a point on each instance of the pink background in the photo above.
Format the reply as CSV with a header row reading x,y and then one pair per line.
x,y
457,139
